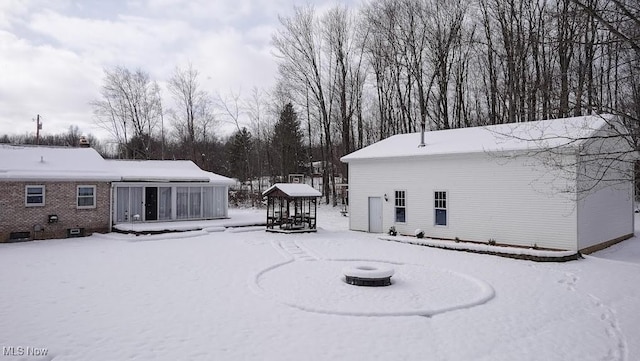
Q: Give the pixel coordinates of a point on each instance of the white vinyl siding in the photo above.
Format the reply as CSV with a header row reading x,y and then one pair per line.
x,y
608,201
508,200
34,195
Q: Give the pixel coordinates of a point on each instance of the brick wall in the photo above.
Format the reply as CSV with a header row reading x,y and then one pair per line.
x,y
61,200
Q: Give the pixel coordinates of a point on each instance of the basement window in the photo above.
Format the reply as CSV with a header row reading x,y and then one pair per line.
x,y
34,196
400,206
440,208
86,197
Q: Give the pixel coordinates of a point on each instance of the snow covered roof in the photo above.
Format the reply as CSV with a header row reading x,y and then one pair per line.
x,y
294,190
31,163
164,171
541,134
52,163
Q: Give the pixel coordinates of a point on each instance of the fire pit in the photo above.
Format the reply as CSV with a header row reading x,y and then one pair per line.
x,y
368,275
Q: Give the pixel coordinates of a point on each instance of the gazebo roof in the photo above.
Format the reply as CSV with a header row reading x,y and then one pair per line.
x,y
292,190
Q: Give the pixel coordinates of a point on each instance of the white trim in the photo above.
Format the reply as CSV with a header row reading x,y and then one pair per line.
x,y
111,208
26,195
94,196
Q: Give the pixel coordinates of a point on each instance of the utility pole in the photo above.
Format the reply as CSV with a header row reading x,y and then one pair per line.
x,y
38,127
161,131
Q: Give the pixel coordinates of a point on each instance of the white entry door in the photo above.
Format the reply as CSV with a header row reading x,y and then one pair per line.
x,y
375,215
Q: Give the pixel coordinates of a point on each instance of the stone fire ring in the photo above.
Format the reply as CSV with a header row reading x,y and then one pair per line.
x,y
368,275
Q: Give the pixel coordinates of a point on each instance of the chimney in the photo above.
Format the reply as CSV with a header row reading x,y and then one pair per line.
x,y
83,142
422,126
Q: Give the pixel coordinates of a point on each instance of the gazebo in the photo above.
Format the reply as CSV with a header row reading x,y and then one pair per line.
x,y
291,208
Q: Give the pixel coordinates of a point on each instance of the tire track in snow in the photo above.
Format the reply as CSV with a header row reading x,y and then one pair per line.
x,y
291,248
291,251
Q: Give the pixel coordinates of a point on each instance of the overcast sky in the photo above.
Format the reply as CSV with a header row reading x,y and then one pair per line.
x,y
53,52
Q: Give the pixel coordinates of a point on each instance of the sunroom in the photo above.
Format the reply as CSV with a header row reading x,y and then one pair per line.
x,y
167,191
136,202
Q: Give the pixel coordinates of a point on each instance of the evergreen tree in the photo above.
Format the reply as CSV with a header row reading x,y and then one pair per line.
x,y
287,141
239,148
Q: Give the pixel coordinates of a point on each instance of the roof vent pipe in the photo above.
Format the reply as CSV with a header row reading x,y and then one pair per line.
x,y
422,126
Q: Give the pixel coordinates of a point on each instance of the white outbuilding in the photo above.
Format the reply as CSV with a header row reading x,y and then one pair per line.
x,y
556,184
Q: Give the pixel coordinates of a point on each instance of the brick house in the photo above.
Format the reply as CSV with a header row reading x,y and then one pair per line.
x,y
55,192
49,192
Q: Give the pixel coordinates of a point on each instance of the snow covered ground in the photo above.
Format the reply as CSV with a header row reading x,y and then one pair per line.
x,y
251,295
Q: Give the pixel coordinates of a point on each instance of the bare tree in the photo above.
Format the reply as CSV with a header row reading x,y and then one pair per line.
x,y
193,116
445,31
384,56
232,109
261,127
299,50
435,65
593,153
129,110
345,49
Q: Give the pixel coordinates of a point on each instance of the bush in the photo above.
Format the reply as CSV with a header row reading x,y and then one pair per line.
x,y
492,242
419,233
392,231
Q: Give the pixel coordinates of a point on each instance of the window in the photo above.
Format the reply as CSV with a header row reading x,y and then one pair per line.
x,y
195,201
128,203
164,203
189,202
34,196
182,202
122,204
208,202
401,207
86,197
441,208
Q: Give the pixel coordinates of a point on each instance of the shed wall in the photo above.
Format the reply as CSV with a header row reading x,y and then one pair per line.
x,y
606,193
605,215
508,200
